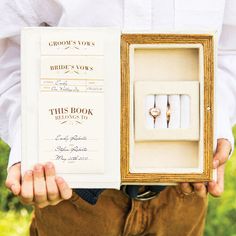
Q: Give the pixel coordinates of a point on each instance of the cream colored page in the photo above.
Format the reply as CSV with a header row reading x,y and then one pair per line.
x,y
71,113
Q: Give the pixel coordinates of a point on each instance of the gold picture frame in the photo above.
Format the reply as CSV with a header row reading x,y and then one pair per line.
x,y
207,43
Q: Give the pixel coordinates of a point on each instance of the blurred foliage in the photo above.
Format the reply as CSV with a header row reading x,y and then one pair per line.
x,y
15,223
221,218
7,199
14,217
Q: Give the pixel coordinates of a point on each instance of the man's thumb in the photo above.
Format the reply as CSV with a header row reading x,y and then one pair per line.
x,y
13,179
222,152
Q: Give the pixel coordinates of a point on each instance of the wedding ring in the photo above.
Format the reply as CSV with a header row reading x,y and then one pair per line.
x,y
168,113
154,112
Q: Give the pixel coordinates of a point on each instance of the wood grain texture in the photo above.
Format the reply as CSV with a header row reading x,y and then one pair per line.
x,y
207,41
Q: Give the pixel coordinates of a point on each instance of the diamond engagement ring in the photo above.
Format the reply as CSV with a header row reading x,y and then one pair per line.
x,y
154,112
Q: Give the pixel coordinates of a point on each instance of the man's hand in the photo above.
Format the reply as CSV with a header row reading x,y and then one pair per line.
x,y
40,187
215,188
13,179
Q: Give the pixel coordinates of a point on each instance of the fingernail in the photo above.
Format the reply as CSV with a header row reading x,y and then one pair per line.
x,y
49,165
38,167
59,180
13,189
29,172
215,164
213,182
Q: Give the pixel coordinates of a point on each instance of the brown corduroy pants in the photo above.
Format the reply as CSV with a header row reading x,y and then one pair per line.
x,y
169,214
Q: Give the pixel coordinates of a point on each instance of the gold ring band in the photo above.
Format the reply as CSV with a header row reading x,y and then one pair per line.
x,y
168,113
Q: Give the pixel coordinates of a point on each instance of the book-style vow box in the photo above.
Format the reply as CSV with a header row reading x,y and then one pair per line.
x,y
109,108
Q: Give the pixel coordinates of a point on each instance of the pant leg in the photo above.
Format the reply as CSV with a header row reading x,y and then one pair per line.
x,y
170,214
176,214
75,217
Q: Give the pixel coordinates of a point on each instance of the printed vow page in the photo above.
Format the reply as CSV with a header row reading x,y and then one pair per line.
x,y
71,113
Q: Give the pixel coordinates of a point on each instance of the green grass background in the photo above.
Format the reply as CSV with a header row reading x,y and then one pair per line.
x,y
221,218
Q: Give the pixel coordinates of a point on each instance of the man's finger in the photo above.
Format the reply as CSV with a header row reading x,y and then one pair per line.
x,y
13,179
56,202
43,204
217,188
52,189
186,188
214,189
65,190
222,152
52,203
40,193
27,193
200,189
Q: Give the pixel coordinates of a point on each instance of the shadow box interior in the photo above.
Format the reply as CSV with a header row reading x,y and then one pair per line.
x,y
167,69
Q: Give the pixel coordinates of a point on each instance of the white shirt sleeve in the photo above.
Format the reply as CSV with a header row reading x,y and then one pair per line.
x,y
226,76
15,15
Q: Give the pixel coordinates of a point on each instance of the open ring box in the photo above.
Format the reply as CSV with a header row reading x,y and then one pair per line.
x,y
166,65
